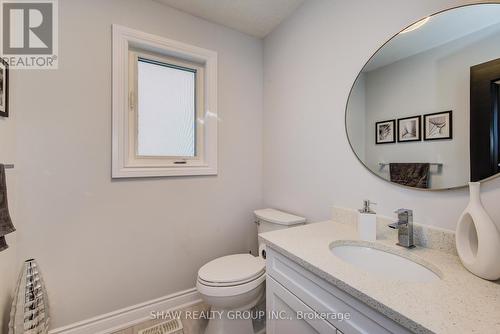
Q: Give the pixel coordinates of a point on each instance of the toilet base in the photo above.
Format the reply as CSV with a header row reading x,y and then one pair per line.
x,y
229,322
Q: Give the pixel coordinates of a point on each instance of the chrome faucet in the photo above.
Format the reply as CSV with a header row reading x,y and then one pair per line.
x,y
404,225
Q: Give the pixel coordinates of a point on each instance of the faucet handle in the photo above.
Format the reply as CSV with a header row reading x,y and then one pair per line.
x,y
401,211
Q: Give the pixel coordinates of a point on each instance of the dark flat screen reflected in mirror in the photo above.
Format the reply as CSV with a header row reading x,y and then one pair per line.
x,y
424,111
484,120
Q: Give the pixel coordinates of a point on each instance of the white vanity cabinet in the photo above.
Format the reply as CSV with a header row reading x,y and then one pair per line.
x,y
299,302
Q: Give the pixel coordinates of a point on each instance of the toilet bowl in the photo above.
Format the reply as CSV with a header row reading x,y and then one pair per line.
x,y
232,285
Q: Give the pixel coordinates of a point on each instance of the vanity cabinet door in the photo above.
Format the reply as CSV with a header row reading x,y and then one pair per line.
x,y
288,315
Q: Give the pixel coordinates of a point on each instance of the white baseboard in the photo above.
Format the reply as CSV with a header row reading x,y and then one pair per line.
x,y
130,316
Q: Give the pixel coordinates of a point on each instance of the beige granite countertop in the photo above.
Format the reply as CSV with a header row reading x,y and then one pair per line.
x,y
458,303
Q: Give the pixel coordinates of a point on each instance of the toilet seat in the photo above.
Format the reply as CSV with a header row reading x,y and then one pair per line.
x,y
232,270
222,284
231,290
231,275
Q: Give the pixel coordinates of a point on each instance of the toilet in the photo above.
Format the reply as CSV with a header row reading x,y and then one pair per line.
x,y
234,284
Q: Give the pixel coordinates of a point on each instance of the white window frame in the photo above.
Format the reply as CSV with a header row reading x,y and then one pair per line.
x,y
128,44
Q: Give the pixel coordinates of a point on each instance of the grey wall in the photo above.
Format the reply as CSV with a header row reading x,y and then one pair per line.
x,y
8,262
103,245
310,64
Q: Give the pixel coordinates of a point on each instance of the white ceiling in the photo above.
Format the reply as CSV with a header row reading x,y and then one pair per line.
x,y
254,17
440,29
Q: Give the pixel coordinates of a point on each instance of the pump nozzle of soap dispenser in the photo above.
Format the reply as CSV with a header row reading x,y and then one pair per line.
x,y
366,207
367,222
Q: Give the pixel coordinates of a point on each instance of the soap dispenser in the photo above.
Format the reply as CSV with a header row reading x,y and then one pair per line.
x,y
367,222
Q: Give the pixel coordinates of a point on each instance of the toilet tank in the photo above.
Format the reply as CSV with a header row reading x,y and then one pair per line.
x,y
272,220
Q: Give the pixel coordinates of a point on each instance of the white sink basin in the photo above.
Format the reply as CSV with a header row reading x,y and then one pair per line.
x,y
384,264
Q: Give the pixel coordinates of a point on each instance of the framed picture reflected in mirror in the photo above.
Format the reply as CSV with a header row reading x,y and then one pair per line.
x,y
409,129
385,132
438,126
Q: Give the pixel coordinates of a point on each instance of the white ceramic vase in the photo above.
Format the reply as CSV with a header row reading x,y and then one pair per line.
x,y
478,238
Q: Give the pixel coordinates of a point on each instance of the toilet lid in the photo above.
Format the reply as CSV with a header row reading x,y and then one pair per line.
x,y
232,269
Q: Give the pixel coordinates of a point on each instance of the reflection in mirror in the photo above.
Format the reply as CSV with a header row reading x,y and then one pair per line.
x,y
423,112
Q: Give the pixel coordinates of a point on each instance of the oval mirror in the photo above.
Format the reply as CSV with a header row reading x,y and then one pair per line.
x,y
424,110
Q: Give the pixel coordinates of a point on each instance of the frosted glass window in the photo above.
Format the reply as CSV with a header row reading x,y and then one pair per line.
x,y
166,110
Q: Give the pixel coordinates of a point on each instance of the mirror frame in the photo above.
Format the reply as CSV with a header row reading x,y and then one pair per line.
x,y
357,77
